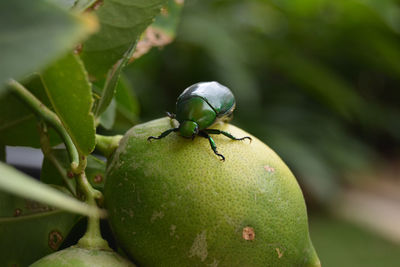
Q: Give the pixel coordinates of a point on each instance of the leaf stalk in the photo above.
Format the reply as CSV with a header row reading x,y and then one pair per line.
x,y
49,117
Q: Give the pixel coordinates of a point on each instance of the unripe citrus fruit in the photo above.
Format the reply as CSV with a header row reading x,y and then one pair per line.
x,y
82,257
172,202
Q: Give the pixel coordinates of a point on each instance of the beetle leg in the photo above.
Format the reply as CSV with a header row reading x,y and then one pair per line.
x,y
212,144
215,131
164,134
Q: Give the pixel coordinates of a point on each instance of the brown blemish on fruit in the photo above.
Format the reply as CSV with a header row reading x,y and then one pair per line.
x,y
70,174
98,179
199,246
269,168
248,233
172,228
213,264
280,254
17,212
156,215
128,212
55,239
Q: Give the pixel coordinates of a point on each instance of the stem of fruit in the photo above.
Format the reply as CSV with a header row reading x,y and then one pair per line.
x,y
107,144
49,117
92,238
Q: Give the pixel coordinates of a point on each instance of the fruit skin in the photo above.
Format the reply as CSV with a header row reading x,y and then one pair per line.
x,y
81,257
171,203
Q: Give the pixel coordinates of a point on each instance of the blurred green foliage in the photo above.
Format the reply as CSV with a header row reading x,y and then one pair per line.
x,y
315,79
340,243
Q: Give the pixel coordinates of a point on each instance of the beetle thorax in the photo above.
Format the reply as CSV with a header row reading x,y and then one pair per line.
x,y
188,129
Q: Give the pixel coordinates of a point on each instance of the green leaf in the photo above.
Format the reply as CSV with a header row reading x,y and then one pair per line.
x,y
112,80
17,183
66,4
33,33
70,93
314,173
18,124
50,174
28,224
25,239
95,170
368,248
167,21
320,82
162,31
108,117
121,24
127,103
82,5
56,170
14,206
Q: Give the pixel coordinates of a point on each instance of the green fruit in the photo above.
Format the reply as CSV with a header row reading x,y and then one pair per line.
x,y
82,257
172,202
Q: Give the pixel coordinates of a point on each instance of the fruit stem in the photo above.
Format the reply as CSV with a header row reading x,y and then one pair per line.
x,y
107,144
92,238
48,116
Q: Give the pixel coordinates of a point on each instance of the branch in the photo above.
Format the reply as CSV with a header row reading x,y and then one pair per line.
x,y
48,153
49,117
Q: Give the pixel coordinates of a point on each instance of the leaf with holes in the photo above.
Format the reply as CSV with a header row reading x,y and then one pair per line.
x,y
111,82
70,93
162,31
40,233
121,24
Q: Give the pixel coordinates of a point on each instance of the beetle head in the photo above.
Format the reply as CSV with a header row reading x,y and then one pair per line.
x,y
188,129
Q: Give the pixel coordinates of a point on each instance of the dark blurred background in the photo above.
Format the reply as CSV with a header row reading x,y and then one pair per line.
x,y
316,80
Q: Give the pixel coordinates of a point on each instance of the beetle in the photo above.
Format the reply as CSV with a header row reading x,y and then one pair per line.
x,y
200,106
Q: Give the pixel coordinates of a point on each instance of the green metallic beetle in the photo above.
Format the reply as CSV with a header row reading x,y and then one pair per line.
x,y
199,107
